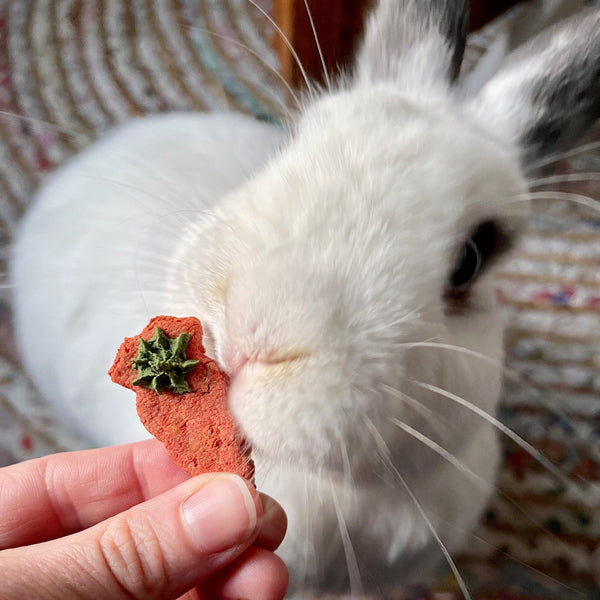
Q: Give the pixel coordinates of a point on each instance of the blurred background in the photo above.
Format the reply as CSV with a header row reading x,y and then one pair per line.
x,y
71,69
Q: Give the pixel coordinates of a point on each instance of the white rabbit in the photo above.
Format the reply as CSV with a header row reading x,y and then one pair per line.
x,y
332,267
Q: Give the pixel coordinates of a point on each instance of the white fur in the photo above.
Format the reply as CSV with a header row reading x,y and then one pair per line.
x,y
89,264
302,273
312,278
409,50
318,296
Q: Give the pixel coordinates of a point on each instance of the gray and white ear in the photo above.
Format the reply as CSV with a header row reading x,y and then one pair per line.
x,y
413,43
547,94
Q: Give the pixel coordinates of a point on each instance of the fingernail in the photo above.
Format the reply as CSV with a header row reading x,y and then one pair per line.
x,y
220,515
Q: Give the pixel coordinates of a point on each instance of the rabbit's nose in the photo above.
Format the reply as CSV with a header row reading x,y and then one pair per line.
x,y
233,360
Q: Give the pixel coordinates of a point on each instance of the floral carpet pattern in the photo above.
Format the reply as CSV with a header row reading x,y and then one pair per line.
x,y
70,69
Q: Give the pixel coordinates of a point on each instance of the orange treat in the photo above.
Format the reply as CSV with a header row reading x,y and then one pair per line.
x,y
195,426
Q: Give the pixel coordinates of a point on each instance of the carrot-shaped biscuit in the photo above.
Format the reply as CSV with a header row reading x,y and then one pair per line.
x,y
181,396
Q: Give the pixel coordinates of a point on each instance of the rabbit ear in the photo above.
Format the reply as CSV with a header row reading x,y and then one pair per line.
x,y
414,42
548,92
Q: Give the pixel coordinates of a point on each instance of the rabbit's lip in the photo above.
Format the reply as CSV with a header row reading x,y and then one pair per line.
x,y
234,362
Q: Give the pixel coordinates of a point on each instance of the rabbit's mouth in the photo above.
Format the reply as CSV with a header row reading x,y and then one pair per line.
x,y
234,362
294,415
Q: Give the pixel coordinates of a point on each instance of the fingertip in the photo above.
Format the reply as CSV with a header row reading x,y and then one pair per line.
x,y
222,513
257,575
273,525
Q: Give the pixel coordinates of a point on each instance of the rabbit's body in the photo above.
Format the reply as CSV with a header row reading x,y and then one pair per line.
x,y
324,282
107,211
135,199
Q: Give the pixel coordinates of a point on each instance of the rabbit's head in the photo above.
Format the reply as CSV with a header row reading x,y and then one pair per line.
x,y
354,268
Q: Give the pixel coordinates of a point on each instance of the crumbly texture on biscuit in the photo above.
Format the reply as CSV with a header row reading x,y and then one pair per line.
x,y
195,426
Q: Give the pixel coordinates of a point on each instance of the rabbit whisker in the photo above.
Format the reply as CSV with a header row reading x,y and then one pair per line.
x,y
128,186
348,478
235,42
533,452
46,125
510,374
579,199
286,41
513,558
462,349
485,484
356,586
548,160
494,362
591,176
309,538
385,455
318,44
445,454
385,327
434,420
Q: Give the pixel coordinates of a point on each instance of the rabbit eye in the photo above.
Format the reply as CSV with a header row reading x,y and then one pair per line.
x,y
484,245
468,266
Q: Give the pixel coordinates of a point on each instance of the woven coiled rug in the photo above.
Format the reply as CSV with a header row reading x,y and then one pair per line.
x,y
70,69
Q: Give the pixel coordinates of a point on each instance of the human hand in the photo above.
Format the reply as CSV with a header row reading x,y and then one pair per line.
x,y
125,522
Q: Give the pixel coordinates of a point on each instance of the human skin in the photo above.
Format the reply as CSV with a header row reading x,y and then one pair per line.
x,y
125,522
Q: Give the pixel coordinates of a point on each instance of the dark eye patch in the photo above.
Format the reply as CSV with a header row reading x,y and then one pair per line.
x,y
468,266
487,242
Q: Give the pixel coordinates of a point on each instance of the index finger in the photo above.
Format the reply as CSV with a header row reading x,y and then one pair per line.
x,y
49,497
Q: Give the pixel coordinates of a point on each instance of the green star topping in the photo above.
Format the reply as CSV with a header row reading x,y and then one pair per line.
x,y
162,364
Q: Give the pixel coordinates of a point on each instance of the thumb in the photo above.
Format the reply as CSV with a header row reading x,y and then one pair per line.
x,y
158,549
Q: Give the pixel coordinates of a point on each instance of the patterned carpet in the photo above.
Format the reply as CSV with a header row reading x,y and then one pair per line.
x,y
70,69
